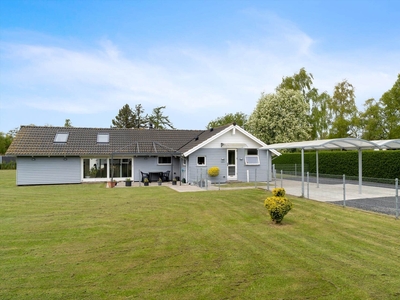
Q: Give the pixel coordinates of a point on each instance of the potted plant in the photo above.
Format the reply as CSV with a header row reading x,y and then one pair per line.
x,y
128,182
111,184
159,181
146,182
93,172
174,181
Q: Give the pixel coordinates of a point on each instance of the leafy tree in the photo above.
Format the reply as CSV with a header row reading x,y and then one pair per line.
x,y
301,81
280,118
239,118
67,123
343,110
373,122
318,113
391,110
158,120
3,149
125,118
319,117
6,140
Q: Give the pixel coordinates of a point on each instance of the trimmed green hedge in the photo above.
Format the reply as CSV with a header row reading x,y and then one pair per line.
x,y
376,164
8,166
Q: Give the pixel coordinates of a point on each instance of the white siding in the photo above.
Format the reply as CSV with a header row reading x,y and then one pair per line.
x,y
218,157
48,170
229,137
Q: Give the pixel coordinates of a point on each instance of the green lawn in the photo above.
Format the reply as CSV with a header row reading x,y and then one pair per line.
x,y
89,242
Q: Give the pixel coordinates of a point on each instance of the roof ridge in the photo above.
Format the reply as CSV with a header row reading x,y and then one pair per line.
x,y
106,128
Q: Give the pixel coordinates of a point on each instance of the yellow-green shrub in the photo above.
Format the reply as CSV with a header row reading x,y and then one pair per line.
x,y
213,171
278,205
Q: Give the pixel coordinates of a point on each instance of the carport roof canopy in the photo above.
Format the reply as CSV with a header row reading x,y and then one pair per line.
x,y
342,143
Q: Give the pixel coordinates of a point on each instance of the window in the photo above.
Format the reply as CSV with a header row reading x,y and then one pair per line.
x,y
164,160
61,137
95,168
201,161
252,151
120,168
103,138
252,159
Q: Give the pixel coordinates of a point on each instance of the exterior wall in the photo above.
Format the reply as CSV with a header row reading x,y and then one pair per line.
x,y
149,164
213,158
48,170
218,157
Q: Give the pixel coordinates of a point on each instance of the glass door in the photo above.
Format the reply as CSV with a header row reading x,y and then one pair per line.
x,y
232,169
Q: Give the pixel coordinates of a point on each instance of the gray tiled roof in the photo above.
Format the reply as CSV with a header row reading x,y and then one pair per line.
x,y
39,141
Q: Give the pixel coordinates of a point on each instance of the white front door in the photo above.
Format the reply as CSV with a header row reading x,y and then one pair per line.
x,y
232,166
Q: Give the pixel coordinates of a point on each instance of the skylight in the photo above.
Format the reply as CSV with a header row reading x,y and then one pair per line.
x,y
103,138
61,137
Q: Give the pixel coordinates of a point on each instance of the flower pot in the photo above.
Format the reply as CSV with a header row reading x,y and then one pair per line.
x,y
111,184
146,183
174,182
159,183
128,183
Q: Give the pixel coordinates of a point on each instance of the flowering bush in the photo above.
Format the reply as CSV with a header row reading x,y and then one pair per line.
x,y
213,171
279,192
278,205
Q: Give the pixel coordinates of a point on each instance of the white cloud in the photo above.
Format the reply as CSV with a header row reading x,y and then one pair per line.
x,y
202,83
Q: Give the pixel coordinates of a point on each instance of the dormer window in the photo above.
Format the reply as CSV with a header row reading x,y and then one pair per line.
x,y
103,138
61,137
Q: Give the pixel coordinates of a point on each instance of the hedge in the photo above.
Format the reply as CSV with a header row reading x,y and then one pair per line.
x,y
376,164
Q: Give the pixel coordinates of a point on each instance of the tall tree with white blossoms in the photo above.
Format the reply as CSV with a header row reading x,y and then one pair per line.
x,y
280,118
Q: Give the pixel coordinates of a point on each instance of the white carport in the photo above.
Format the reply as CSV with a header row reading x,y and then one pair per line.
x,y
388,144
332,144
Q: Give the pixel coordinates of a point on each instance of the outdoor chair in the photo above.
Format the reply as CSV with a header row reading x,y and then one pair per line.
x,y
166,176
145,175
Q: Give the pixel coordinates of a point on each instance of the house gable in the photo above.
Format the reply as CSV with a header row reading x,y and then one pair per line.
x,y
234,139
230,135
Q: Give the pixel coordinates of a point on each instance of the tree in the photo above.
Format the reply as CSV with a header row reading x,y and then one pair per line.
x,y
301,81
319,117
239,118
391,110
124,119
3,149
158,120
280,118
318,113
138,119
67,123
343,110
6,139
373,122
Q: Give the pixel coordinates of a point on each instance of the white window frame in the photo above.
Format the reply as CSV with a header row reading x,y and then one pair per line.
x,y
164,164
252,157
247,157
201,165
61,137
103,138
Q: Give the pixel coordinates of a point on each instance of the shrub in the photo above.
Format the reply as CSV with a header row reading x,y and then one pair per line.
x,y
213,171
278,205
279,192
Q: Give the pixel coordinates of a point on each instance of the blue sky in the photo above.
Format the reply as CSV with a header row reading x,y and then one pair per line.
x,y
83,60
